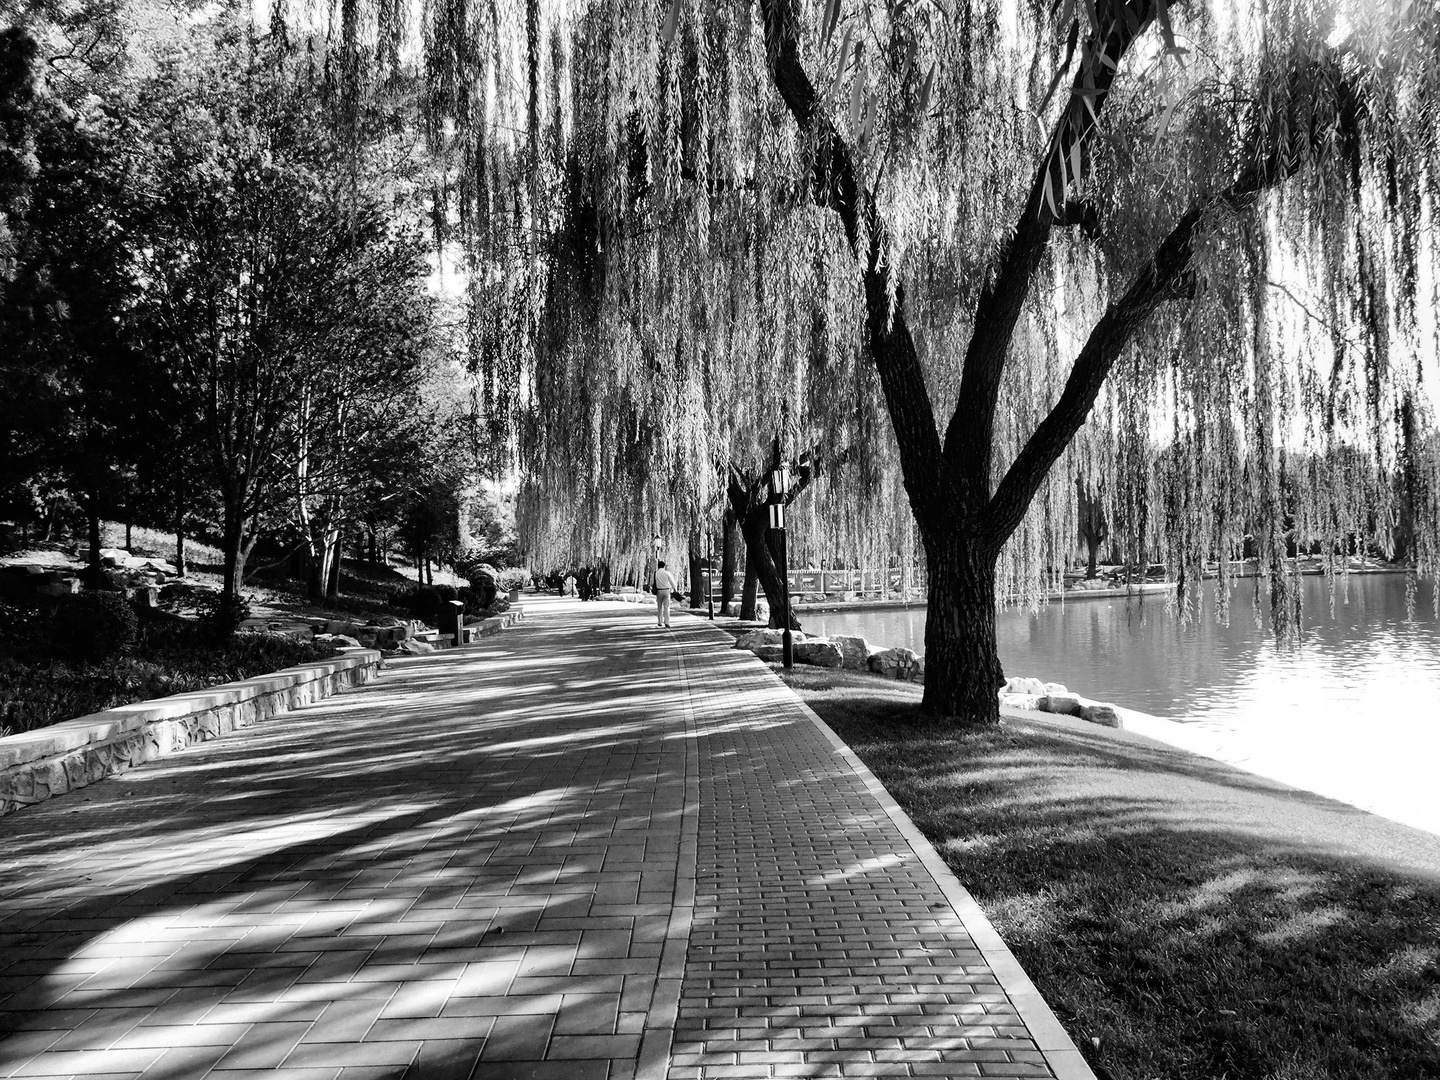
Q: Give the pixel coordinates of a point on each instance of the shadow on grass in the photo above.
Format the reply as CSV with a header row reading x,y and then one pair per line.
x,y
1196,920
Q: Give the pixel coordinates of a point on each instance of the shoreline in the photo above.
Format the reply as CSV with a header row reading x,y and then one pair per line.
x,y
1305,767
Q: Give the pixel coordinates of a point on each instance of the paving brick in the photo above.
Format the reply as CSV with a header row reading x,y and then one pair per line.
x,y
657,865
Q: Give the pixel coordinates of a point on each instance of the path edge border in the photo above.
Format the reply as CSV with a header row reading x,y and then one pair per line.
x,y
39,765
1051,1038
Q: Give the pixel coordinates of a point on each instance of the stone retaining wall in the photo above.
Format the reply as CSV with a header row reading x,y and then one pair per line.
x,y
38,765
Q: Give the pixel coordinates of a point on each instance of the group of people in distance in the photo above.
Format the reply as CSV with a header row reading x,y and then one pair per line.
x,y
585,585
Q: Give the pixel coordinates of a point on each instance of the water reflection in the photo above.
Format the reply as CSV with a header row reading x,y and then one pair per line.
x,y
1137,652
1349,710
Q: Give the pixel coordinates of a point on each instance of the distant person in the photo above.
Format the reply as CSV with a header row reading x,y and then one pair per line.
x,y
592,580
664,586
570,585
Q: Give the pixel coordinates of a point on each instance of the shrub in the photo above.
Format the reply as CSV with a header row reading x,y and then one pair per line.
x,y
422,601
516,577
220,615
94,626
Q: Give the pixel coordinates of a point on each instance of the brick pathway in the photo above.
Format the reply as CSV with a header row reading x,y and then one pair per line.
x,y
585,849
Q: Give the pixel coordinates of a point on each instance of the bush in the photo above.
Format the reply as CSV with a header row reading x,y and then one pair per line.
x,y
37,690
485,581
220,615
422,601
516,577
94,626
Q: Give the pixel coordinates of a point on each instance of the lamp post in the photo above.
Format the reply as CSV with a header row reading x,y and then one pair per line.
x,y
710,568
779,488
658,543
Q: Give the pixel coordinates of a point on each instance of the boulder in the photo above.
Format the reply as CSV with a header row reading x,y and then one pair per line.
x,y
340,641
414,648
1017,701
1033,687
771,654
897,664
1055,688
753,639
819,653
1105,715
114,557
854,651
1065,704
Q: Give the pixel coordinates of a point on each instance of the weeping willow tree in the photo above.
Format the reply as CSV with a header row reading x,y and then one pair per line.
x,y
929,241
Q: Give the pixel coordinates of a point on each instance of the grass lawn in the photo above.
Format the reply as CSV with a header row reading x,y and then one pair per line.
x,y
1184,919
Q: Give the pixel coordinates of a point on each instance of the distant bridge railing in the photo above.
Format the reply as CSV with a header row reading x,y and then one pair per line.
x,y
874,584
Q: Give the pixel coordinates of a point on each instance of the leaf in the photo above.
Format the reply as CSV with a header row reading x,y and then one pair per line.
x,y
869,132
1165,119
1076,172
909,60
840,67
857,99
827,23
1049,199
925,90
667,32
1167,31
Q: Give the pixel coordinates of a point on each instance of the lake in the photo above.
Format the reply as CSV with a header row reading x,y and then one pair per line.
x,y
1351,709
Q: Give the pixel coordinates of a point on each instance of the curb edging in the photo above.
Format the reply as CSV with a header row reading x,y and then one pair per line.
x,y
1051,1038
38,765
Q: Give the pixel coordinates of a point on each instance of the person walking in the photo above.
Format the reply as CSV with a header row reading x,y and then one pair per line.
x,y
664,586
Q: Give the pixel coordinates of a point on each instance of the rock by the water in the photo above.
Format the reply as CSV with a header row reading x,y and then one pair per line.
x,y
897,663
854,651
753,639
1065,704
819,653
1033,687
1055,688
771,654
1017,701
1104,715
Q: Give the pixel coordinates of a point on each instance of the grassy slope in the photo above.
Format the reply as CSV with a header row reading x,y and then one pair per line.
x,y
1196,920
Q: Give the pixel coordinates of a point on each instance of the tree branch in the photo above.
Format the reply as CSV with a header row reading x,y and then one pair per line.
x,y
970,437
834,184
1163,278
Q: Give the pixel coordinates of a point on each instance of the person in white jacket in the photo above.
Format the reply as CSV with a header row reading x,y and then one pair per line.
x,y
664,585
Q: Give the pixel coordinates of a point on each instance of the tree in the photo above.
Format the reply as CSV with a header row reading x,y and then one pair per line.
x,y
68,367
1094,528
1006,206
279,296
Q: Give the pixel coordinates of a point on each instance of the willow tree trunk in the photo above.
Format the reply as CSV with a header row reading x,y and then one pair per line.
x,y
750,593
729,547
696,577
962,664
758,553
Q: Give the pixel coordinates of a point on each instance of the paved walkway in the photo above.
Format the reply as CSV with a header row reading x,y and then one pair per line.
x,y
586,849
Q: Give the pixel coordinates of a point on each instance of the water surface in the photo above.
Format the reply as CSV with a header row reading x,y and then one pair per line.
x,y
1351,709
